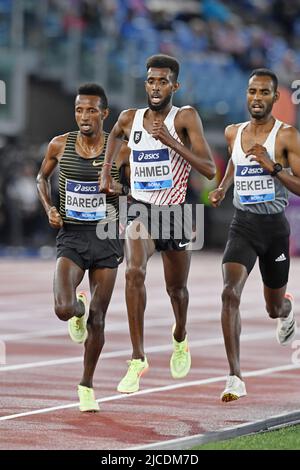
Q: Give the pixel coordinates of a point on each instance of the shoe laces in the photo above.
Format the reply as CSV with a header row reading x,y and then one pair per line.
x,y
286,322
87,392
134,366
180,350
231,381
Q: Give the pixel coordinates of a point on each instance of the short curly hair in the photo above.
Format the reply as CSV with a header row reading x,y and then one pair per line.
x,y
94,90
164,61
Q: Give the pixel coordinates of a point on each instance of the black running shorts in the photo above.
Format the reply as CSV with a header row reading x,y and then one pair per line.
x,y
264,236
81,245
170,227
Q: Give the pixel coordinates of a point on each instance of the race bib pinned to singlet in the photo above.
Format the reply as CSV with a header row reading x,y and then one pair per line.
x,y
254,184
151,169
84,202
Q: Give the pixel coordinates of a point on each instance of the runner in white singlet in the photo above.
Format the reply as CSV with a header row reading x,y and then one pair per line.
x,y
165,143
264,165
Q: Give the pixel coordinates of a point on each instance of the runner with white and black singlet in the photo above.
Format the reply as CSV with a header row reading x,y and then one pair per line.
x,y
165,142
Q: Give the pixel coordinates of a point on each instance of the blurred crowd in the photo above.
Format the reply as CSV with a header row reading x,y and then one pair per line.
x,y
22,219
253,33
217,42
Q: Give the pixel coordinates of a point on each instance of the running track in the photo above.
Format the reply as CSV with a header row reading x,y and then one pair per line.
x,y
38,382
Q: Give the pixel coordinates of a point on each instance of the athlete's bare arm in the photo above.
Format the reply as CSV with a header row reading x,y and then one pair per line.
x,y
122,159
291,139
120,130
195,150
217,196
54,152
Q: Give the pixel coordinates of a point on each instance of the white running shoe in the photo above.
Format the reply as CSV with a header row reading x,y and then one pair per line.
x,y
286,327
235,388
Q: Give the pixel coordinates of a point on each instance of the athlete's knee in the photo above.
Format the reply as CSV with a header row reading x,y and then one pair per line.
x,y
178,294
96,321
135,276
231,297
64,311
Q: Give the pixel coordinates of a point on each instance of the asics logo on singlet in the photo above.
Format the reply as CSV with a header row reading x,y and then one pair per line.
x,y
252,171
148,156
85,189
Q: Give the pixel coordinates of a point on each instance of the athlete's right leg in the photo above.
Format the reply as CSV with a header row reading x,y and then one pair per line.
x,y
102,283
176,269
137,251
234,276
238,261
67,277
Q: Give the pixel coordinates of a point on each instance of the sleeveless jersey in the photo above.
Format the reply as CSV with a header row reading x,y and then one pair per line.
x,y
255,190
159,175
80,199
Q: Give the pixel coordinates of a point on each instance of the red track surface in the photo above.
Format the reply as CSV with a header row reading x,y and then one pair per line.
x,y
164,409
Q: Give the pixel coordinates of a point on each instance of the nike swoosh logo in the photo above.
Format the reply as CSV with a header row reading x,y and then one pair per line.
x,y
181,245
96,163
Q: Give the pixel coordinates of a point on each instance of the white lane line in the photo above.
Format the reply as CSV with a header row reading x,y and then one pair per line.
x,y
123,326
127,352
148,391
115,308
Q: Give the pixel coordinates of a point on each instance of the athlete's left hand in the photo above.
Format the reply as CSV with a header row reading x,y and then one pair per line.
x,y
260,155
160,132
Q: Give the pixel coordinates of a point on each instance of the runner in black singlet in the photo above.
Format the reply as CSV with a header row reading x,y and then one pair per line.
x,y
83,215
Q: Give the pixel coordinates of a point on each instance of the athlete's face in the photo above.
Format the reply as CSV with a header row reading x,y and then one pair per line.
x,y
89,114
160,86
261,96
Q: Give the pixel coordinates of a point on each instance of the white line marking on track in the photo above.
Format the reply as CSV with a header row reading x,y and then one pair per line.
x,y
127,352
166,388
120,326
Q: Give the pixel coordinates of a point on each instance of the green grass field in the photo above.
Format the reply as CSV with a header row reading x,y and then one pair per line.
x,y
283,439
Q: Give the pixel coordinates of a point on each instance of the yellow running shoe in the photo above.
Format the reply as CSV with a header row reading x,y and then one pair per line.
x,y
87,400
131,381
180,362
77,325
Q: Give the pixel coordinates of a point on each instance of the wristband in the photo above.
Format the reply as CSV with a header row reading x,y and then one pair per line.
x,y
277,167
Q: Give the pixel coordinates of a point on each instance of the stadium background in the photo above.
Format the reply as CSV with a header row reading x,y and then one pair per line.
x,y
49,47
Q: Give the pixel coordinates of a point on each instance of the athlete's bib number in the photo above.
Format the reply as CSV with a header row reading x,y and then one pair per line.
x,y
151,170
84,202
254,184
